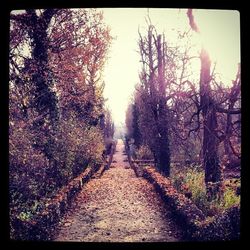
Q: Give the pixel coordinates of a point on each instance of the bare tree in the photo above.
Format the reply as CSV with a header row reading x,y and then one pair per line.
x,y
209,107
152,105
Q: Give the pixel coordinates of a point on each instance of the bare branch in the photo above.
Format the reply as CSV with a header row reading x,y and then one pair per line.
x,y
228,111
192,23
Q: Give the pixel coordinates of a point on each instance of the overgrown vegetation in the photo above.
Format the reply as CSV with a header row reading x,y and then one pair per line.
x,y
198,226
183,116
58,123
190,182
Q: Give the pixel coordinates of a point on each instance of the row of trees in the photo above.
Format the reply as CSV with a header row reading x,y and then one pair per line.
x,y
58,123
178,116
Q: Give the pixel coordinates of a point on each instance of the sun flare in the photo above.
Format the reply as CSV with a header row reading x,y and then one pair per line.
x,y
219,35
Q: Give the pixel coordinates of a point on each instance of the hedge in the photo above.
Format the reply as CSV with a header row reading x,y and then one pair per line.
x,y
41,225
225,226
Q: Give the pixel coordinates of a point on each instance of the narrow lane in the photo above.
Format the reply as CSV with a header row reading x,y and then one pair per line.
x,y
118,207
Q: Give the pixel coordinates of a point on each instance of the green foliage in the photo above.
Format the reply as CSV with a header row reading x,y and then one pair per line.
x,y
25,216
192,180
230,198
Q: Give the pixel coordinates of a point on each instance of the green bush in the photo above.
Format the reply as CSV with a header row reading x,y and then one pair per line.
x,y
230,198
192,180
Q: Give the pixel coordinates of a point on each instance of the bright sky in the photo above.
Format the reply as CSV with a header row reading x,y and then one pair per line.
x,y
220,34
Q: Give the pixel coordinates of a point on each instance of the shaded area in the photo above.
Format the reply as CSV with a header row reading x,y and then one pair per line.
x,y
118,207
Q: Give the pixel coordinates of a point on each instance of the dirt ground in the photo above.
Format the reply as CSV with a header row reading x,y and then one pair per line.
x,y
118,207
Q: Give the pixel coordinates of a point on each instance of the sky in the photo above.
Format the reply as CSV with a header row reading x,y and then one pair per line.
x,y
219,35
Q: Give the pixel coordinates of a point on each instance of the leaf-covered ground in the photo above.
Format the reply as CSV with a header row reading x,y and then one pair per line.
x,y
118,207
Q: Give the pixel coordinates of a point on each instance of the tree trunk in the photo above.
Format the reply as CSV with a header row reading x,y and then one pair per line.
x,y
213,170
162,121
136,131
154,118
163,140
45,98
45,101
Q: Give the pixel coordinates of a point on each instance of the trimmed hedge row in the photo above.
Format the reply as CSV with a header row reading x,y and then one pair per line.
x,y
138,169
186,210
41,225
225,226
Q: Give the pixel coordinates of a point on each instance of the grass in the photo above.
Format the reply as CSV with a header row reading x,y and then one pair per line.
x,y
191,180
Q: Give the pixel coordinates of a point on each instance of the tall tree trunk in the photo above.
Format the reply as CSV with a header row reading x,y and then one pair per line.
x,y
45,98
233,97
45,101
163,134
155,120
213,170
163,151
136,131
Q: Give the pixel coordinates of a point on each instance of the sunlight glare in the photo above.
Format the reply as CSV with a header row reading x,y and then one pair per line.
x,y
219,35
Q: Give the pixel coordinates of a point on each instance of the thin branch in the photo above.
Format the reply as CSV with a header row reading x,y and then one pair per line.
x,y
233,150
228,111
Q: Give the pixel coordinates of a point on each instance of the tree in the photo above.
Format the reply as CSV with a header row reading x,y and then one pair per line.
x,y
132,123
152,100
108,130
135,125
44,100
213,170
79,41
36,25
209,107
56,99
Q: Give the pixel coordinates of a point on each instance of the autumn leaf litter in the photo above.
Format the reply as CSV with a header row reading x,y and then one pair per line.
x,y
118,207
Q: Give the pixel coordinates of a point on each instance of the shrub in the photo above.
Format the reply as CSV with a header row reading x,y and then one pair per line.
x,y
27,166
32,175
223,226
82,144
192,180
230,199
108,145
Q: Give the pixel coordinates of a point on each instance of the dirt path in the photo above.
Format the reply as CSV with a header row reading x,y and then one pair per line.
x,y
118,207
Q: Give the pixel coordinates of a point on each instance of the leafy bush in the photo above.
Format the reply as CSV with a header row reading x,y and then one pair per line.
x,y
230,199
192,180
81,145
108,145
27,166
223,226
33,176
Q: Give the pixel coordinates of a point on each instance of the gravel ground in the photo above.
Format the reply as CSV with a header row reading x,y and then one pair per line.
x,y
118,207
